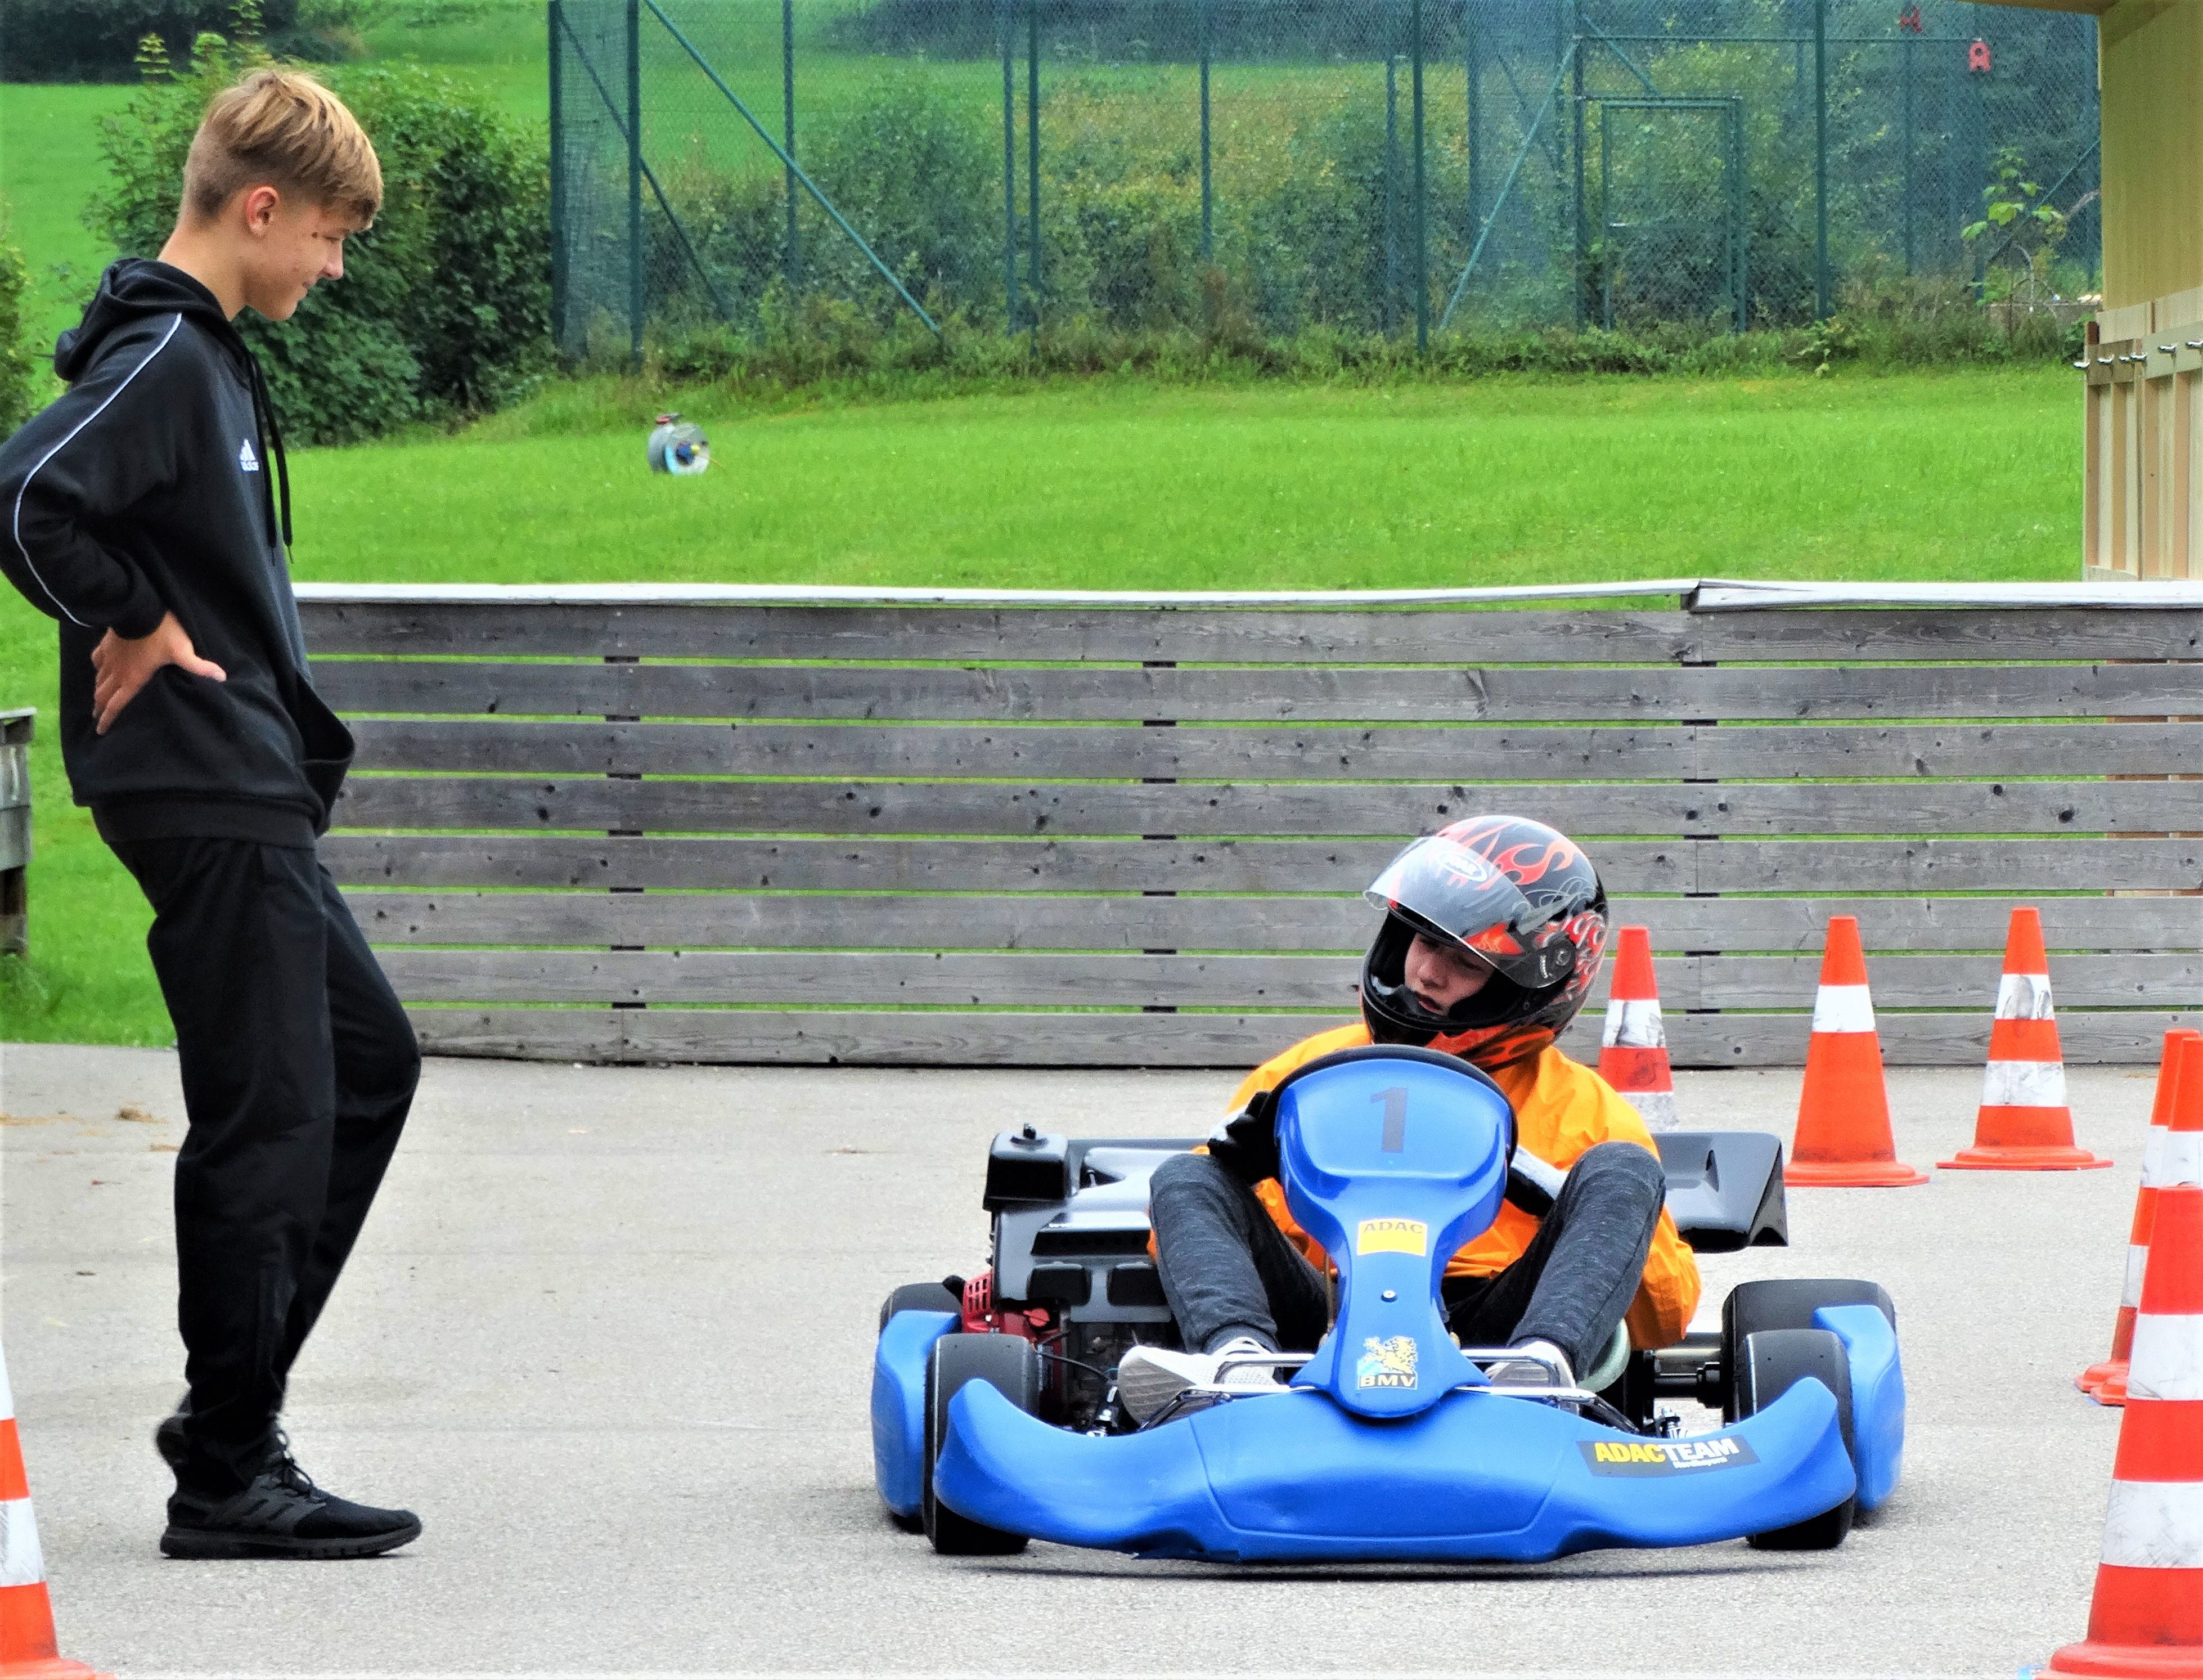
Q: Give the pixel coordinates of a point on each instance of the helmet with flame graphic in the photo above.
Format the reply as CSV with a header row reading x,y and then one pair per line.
x,y
1519,895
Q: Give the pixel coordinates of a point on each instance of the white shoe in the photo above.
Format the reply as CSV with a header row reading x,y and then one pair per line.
x,y
1529,1373
1150,1378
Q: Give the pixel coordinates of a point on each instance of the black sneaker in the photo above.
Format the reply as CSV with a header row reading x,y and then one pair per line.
x,y
282,1515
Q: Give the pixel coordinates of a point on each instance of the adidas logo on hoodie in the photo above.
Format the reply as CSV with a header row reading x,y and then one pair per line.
x,y
245,458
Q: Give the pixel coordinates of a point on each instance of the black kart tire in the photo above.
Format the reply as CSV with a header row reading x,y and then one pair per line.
x,y
1013,1365
919,1298
1786,1304
1771,1362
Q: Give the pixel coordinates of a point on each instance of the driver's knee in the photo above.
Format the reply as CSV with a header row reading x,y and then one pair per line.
x,y
1618,1176
1190,1176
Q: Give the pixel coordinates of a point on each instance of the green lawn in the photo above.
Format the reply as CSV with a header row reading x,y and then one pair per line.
x,y
1110,485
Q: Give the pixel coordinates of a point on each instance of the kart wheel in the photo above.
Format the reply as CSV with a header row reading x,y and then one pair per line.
x,y
920,1298
1785,1303
1771,1362
1013,1365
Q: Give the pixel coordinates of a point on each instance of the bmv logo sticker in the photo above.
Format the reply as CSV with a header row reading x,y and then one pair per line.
x,y
245,458
1388,1363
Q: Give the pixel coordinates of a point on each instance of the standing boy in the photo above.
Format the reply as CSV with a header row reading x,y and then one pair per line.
x,y
148,511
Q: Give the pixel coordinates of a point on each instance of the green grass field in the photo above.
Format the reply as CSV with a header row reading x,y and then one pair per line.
x,y
1111,485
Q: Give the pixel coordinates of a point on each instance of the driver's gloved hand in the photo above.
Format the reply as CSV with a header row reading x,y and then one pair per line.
x,y
1246,1145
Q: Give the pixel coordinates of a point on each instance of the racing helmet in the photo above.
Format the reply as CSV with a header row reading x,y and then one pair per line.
x,y
1518,895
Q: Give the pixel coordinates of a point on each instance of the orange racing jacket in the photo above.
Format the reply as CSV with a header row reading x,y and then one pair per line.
x,y
1561,1108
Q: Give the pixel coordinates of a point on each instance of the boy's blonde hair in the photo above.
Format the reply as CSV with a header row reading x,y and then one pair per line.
x,y
285,130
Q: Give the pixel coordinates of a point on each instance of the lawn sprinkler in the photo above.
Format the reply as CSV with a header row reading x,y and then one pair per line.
x,y
678,447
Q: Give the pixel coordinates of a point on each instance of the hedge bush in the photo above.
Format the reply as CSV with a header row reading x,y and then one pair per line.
x,y
20,381
96,40
444,309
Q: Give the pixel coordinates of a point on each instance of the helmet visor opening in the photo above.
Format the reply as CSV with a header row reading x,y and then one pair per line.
x,y
1446,889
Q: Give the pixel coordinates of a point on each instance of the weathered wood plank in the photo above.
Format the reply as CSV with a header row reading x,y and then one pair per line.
x,y
1040,921
1927,866
1000,979
1254,693
992,979
1443,636
1179,634
1344,752
1801,868
1584,809
14,836
947,1038
1948,634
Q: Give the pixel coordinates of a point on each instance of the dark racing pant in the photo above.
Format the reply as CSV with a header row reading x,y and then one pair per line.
x,y
299,1066
1227,1270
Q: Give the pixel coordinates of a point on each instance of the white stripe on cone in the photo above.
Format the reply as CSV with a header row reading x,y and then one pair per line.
x,y
2137,1257
2024,998
2024,1084
2179,1159
1843,1008
1656,1109
1634,1023
2155,1525
21,1562
2168,1356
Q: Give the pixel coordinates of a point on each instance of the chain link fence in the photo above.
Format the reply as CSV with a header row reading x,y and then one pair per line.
x,y
1280,167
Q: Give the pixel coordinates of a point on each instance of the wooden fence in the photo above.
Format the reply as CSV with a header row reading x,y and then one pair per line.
x,y
2142,485
15,728
705,826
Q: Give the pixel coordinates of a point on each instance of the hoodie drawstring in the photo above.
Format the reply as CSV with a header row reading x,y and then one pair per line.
x,y
269,436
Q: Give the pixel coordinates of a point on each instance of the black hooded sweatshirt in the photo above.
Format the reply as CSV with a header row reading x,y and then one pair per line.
x,y
149,487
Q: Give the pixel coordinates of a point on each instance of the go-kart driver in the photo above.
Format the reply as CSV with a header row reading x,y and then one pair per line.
x,y
1492,935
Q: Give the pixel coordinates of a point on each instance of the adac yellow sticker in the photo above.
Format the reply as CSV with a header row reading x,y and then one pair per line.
x,y
1393,1236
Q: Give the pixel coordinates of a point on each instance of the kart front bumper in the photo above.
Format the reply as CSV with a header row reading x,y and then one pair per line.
x,y
1479,1477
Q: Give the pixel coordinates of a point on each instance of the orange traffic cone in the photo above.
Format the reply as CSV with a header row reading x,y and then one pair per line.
x,y
1843,1116
2172,1157
1633,1050
2147,1620
2025,1124
27,1617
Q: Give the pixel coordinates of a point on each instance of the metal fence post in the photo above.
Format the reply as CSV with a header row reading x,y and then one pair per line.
x,y
635,181
558,228
1388,316
1906,48
1207,184
1009,172
1472,64
1422,225
1820,160
1032,150
787,128
1576,206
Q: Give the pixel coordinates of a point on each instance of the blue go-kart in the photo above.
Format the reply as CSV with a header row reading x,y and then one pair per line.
x,y
994,1418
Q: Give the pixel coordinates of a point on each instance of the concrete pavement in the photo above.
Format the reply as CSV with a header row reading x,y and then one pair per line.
x,y
609,1333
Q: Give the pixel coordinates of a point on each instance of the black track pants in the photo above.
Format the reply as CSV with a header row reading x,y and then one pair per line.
x,y
299,1066
1227,1270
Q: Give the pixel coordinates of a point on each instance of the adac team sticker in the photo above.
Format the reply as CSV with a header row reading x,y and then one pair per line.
x,y
1388,1363
1666,1458
1393,1236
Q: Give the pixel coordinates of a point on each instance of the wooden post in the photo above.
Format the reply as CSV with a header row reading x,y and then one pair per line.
x,y
15,728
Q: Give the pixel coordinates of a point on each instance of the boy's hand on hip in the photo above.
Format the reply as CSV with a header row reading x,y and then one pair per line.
x,y
121,666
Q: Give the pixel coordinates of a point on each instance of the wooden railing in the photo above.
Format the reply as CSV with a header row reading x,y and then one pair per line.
x,y
715,826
